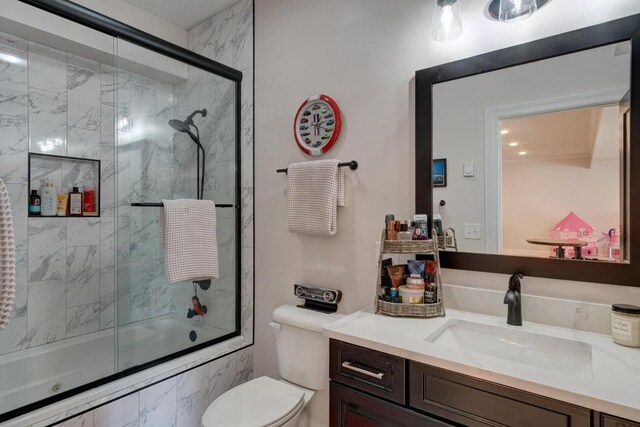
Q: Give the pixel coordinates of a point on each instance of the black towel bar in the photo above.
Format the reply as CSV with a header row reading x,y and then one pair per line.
x,y
353,165
159,205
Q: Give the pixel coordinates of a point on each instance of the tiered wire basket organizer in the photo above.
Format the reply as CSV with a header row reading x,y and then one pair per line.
x,y
416,247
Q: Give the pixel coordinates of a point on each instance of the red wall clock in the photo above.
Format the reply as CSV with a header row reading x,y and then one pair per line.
x,y
317,125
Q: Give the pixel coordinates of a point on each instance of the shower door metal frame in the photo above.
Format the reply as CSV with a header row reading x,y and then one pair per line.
x,y
120,30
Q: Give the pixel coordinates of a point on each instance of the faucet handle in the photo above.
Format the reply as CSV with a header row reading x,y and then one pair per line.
x,y
514,281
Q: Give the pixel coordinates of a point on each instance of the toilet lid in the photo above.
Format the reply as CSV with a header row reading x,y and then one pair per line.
x,y
259,402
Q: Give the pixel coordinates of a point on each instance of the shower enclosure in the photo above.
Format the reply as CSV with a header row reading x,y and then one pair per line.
x,y
140,121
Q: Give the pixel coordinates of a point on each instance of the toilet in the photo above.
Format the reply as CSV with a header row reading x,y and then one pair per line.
x,y
301,397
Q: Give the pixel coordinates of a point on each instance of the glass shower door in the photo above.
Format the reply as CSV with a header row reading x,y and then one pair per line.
x,y
176,139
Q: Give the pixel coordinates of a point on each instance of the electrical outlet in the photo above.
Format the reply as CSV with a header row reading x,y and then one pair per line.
x,y
472,231
468,169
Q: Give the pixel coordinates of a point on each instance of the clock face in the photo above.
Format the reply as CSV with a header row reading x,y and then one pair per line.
x,y
317,125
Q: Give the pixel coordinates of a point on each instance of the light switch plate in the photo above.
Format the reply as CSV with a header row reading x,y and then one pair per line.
x,y
468,169
472,231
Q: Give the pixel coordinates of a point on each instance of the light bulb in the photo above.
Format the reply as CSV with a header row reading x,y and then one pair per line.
x,y
513,144
513,10
447,20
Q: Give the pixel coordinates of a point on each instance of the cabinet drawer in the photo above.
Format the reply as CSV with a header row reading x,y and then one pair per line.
x,y
611,421
474,402
351,408
368,370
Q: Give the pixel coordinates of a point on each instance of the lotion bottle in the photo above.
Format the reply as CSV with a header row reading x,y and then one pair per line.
x,y
49,199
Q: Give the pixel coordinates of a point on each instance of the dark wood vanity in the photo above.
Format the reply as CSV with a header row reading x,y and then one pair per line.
x,y
370,388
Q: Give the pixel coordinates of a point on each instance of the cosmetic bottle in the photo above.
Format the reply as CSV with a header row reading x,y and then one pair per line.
x,y
35,206
89,201
63,203
75,202
49,199
404,233
430,293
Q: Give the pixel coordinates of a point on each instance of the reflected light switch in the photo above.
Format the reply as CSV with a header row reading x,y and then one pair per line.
x,y
472,231
468,169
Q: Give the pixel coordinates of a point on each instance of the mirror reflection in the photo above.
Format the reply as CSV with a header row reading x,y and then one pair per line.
x,y
536,157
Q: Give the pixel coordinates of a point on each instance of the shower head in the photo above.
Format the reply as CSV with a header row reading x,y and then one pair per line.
x,y
179,125
185,125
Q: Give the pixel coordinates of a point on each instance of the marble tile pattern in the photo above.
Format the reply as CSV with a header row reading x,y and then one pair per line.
x,y
50,102
69,105
178,401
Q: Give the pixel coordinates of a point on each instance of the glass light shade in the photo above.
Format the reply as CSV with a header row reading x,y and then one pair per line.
x,y
447,20
513,10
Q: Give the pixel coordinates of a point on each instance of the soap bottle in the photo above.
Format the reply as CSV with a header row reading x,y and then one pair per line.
x,y
35,206
89,204
49,199
75,202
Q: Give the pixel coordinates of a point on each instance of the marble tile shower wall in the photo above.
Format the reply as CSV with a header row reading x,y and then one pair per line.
x,y
227,37
50,102
145,170
179,401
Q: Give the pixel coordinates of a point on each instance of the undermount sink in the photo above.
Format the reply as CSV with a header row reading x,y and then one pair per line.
x,y
492,346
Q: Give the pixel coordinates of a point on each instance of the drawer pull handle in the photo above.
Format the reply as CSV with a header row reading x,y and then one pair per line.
x,y
348,365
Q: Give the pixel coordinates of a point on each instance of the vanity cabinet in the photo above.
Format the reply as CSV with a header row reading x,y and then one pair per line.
x,y
352,408
474,402
604,420
370,388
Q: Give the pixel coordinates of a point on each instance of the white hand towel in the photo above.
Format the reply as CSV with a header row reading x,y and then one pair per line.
x,y
7,258
189,240
314,190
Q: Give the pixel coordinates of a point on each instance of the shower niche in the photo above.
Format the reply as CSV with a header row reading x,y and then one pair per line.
x,y
152,121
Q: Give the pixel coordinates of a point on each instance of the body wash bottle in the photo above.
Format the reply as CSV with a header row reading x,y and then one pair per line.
x,y
49,199
75,202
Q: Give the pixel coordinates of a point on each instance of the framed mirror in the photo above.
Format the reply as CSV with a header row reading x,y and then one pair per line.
x,y
541,146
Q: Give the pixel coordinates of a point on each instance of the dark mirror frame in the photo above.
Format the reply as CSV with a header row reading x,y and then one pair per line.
x,y
624,29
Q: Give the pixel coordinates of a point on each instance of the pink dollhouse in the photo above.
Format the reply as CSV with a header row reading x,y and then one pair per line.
x,y
572,227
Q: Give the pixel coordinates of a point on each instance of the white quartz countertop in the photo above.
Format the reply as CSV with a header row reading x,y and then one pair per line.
x,y
612,385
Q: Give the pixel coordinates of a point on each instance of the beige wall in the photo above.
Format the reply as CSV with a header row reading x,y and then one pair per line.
x,y
537,195
364,54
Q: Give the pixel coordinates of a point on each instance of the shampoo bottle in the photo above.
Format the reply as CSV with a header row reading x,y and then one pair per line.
x,y
49,199
75,202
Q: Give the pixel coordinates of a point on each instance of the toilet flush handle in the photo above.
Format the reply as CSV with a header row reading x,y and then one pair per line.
x,y
276,327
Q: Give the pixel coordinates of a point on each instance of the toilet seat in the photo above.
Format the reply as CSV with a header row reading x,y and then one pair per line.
x,y
263,402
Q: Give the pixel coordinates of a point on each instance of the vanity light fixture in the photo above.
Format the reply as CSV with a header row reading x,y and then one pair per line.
x,y
447,20
504,131
522,153
513,144
514,10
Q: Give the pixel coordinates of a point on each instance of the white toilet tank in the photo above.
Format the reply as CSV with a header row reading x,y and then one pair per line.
x,y
302,351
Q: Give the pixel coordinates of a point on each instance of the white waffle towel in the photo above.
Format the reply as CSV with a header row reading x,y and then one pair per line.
x,y
189,240
314,190
7,258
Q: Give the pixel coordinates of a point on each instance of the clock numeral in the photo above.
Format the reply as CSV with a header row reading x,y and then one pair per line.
x,y
304,134
304,127
327,116
304,120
